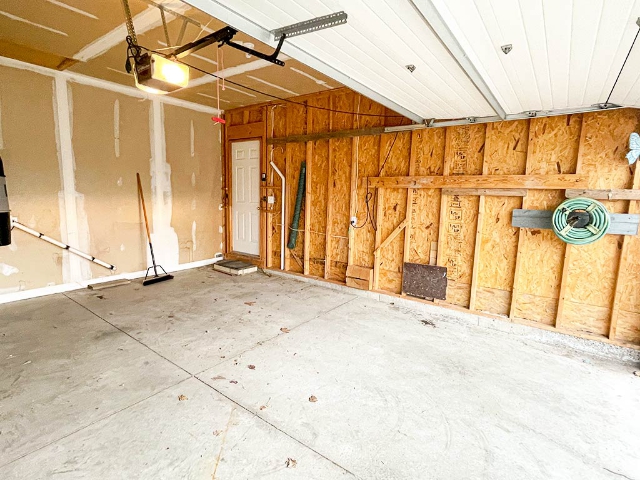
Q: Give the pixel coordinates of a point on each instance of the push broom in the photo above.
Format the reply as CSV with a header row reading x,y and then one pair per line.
x,y
155,278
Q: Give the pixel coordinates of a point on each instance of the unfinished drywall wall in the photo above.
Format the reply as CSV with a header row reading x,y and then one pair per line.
x,y
71,153
107,159
28,151
193,154
523,275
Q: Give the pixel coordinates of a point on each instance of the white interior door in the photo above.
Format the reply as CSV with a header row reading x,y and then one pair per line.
x,y
245,172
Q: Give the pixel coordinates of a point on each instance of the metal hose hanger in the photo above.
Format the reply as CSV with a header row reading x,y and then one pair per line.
x,y
580,221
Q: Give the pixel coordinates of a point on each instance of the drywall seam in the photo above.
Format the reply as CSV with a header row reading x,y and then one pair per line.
x,y
193,140
233,71
73,223
33,24
193,236
248,94
164,237
67,287
1,137
106,85
8,270
214,98
73,9
272,85
116,127
143,22
311,77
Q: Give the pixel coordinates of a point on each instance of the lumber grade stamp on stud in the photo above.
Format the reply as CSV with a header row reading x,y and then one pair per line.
x,y
538,182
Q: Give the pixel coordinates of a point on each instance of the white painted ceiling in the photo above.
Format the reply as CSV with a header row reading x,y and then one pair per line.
x,y
566,53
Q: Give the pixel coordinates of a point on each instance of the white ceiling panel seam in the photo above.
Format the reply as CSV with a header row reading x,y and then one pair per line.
x,y
426,109
507,62
566,53
300,44
536,34
417,89
435,106
482,60
621,31
472,103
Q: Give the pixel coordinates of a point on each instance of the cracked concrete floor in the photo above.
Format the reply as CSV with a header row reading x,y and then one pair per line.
x,y
210,377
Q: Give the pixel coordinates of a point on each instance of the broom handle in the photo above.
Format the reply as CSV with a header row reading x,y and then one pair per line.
x,y
146,223
144,208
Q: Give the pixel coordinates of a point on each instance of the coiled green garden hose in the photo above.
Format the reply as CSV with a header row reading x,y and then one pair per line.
x,y
580,221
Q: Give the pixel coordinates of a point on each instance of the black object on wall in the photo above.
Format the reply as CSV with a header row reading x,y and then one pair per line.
x,y
5,215
424,281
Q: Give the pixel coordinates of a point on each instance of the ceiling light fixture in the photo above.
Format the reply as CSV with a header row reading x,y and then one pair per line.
x,y
165,73
157,74
153,73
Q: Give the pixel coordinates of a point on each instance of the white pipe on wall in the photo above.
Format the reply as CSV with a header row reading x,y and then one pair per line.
x,y
282,209
53,241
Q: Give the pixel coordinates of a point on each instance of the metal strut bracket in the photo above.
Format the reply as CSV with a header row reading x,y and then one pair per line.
x,y
315,24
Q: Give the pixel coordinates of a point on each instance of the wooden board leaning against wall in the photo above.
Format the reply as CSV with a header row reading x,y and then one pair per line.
x,y
524,275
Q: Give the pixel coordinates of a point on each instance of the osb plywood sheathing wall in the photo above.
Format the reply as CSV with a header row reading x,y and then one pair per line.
x,y
523,275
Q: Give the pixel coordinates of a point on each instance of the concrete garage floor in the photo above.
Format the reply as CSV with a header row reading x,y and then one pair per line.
x,y
157,382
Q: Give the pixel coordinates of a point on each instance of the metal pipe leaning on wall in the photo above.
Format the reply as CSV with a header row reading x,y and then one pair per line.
x,y
5,216
64,246
284,182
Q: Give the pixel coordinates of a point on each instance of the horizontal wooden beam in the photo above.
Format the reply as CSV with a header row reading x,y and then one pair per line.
x,y
538,182
488,192
248,130
616,194
360,132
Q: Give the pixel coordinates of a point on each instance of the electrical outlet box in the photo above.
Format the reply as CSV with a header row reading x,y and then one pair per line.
x,y
271,199
353,221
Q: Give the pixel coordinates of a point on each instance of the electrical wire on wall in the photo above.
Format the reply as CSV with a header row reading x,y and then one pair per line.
x,y
369,218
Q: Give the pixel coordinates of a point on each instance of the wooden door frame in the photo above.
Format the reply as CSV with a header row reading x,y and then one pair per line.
x,y
241,133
